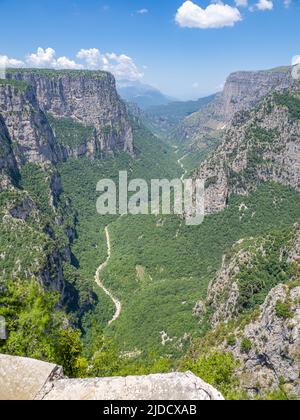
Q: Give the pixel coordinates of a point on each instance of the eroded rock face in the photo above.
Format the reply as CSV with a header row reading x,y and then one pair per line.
x,y
274,357
267,342
86,97
242,91
8,165
27,126
260,145
29,379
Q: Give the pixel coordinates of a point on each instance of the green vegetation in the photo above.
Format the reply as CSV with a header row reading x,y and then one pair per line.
x,y
59,73
217,369
154,160
246,345
18,84
36,325
267,269
165,118
69,132
283,310
180,261
292,102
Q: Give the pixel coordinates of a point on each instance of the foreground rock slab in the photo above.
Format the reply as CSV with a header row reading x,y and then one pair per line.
x,y
29,379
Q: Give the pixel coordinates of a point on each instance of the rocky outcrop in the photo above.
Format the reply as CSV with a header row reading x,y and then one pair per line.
x,y
8,166
27,125
87,97
271,357
29,379
260,145
223,292
23,379
242,91
264,339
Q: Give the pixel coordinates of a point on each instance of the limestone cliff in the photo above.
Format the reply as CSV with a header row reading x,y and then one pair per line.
x,y
86,97
8,165
27,125
242,91
260,145
269,346
264,338
28,379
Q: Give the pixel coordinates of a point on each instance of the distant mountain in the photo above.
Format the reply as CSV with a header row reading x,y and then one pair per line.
x,y
167,117
145,96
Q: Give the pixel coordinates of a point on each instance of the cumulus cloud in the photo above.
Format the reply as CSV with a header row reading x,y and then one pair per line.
x,y
265,5
47,59
219,15
92,58
9,62
122,66
241,3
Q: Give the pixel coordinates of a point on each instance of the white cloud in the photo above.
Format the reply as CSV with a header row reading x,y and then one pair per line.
x,y
42,58
92,58
219,15
9,62
287,3
47,59
296,60
265,5
241,3
122,66
142,11
66,63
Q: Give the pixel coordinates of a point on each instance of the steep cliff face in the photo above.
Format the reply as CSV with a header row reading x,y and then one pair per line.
x,y
27,125
260,145
86,97
255,299
8,165
271,357
242,91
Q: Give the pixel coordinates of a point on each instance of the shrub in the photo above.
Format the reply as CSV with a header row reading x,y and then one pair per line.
x,y
246,345
283,310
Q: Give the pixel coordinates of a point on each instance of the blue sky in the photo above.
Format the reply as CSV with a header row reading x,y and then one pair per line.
x,y
190,57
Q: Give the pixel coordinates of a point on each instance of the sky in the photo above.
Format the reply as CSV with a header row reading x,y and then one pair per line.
x,y
184,48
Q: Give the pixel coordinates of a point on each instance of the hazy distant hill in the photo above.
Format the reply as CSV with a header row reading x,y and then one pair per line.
x,y
145,96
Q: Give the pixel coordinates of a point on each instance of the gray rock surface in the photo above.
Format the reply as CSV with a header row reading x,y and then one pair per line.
x,y
242,91
8,165
260,145
274,357
22,378
29,379
173,386
88,97
27,126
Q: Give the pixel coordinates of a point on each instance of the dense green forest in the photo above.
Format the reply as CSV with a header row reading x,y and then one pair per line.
x,y
159,268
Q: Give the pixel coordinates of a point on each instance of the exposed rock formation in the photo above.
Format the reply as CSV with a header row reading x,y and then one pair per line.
x,y
267,341
260,145
242,91
8,164
29,379
273,354
87,97
27,125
